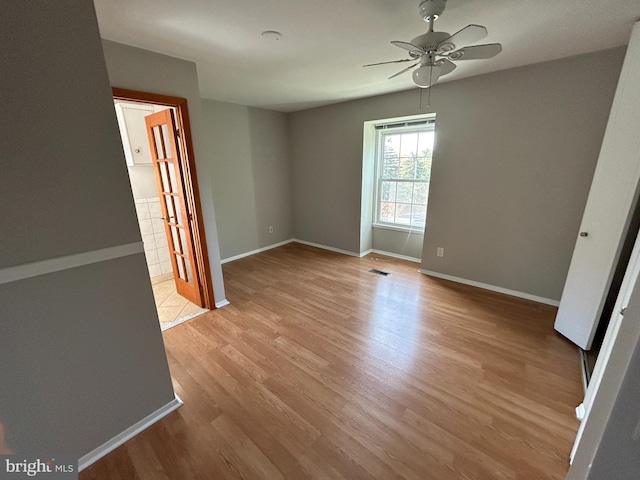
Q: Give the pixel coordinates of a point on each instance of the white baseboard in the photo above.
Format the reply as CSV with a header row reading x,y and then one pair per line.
x,y
107,447
493,288
317,245
222,303
253,252
395,255
331,249
359,255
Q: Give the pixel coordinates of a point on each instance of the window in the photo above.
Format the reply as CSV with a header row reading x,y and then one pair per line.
x,y
403,171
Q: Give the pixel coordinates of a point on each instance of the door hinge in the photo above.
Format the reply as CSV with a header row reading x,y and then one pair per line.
x,y
623,310
177,132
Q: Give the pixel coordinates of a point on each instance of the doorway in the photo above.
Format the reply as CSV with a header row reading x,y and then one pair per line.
x,y
159,154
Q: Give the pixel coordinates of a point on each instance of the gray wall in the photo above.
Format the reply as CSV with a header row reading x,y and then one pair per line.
x,y
408,244
248,150
514,157
326,156
81,354
137,69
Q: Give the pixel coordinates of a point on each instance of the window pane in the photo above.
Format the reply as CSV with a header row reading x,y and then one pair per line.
x,y
170,212
391,162
420,191
403,214
166,184
388,193
180,263
158,143
405,192
183,242
176,240
423,168
409,145
425,143
179,219
387,212
407,167
187,265
172,174
405,170
392,145
391,168
167,141
418,215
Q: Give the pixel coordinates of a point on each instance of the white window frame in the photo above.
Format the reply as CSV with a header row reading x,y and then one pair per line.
x,y
426,123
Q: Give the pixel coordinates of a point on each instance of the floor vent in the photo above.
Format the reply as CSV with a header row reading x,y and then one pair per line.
x,y
379,272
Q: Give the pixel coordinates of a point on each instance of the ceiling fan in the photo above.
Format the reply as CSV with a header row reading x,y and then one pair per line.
x,y
434,51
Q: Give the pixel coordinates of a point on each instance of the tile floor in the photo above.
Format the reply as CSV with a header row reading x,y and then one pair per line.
x,y
173,308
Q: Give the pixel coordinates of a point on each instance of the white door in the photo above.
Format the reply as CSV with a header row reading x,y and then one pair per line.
x,y
609,207
628,283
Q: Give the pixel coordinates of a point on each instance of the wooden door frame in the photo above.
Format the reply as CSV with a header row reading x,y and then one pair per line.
x,y
191,191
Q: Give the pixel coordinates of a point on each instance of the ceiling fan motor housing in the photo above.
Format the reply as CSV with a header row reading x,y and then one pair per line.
x,y
430,41
429,8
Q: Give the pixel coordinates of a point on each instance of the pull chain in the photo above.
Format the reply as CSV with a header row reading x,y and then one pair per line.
x,y
430,82
428,93
428,97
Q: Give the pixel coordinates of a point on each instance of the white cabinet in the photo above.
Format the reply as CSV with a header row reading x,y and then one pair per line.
x,y
134,133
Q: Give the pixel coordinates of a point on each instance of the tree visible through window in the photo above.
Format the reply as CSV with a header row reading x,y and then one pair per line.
x,y
404,171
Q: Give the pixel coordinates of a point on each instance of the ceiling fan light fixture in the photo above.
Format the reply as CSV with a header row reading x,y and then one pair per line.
x,y
427,75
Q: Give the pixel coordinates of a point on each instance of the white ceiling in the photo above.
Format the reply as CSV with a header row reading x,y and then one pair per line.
x,y
325,43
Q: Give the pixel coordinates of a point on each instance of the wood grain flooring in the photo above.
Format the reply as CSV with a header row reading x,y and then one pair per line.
x,y
320,369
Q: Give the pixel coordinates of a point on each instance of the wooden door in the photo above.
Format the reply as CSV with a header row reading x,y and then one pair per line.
x,y
165,152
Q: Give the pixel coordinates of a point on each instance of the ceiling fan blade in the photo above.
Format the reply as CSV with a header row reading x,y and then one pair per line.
x,y
477,52
447,66
405,70
392,61
469,34
410,47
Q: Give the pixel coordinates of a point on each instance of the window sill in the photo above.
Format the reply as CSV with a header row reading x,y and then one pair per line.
x,y
382,226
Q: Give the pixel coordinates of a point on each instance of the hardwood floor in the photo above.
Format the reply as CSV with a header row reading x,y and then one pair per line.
x,y
320,369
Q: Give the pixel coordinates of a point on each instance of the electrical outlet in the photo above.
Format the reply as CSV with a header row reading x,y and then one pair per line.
x,y
440,251
270,229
